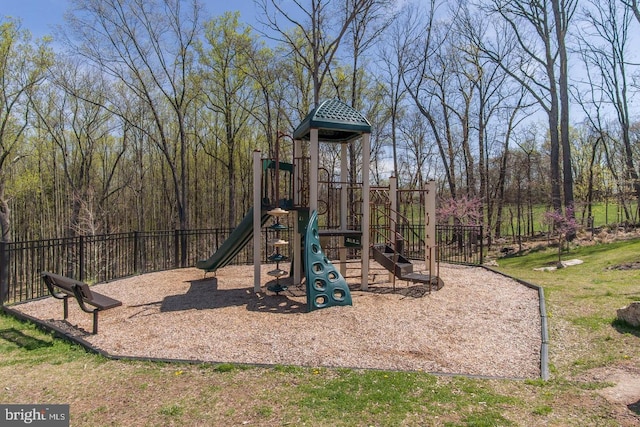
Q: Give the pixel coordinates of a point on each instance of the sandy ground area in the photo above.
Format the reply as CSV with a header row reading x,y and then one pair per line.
x,y
479,323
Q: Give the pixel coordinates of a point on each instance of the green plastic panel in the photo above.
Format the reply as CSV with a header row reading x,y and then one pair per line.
x,y
335,121
271,164
325,285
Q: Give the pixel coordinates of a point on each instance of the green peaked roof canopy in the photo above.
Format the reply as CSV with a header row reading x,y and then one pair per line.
x,y
335,121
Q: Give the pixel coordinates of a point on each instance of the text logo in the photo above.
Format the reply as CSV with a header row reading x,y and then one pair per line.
x,y
34,415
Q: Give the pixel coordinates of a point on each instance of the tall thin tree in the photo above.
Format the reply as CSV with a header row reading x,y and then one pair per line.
x,y
531,47
149,47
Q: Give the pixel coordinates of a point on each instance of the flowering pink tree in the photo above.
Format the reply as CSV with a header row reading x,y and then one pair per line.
x,y
463,211
563,225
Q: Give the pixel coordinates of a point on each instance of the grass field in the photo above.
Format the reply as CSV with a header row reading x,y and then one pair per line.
x,y
585,341
605,214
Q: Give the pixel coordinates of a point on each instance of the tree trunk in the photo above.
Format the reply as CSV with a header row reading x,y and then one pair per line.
x,y
556,200
561,22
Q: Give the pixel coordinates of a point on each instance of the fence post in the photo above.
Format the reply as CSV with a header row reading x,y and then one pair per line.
x,y
176,248
481,245
81,258
136,248
184,248
4,272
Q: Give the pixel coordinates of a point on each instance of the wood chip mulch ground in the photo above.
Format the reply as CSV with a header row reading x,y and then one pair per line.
x,y
479,323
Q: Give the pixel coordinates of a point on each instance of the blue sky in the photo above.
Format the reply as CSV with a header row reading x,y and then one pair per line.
x,y
42,16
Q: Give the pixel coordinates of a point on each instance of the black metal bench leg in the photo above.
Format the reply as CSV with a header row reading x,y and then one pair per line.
x,y
95,322
66,307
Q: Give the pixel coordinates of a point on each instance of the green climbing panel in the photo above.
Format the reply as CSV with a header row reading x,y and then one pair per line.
x,y
325,285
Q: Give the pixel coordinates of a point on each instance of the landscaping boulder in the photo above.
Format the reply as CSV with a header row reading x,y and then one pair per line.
x,y
630,314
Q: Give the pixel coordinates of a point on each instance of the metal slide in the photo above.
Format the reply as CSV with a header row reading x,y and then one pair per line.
x,y
238,239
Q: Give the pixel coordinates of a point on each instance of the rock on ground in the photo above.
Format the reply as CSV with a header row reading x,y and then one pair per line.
x,y
630,314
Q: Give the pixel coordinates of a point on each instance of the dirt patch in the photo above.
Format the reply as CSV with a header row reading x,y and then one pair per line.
x,y
624,392
625,266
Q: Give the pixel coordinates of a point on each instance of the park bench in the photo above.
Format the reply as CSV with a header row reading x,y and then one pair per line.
x,y
62,288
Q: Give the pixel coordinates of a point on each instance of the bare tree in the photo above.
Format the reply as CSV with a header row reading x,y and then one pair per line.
x,y
588,154
148,46
531,47
426,77
497,104
495,191
82,132
318,30
633,5
417,156
392,59
604,47
365,28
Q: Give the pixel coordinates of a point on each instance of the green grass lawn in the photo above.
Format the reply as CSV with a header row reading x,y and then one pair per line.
x,y
582,300
604,214
581,303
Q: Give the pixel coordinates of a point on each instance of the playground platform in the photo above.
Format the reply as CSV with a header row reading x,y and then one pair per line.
x,y
480,323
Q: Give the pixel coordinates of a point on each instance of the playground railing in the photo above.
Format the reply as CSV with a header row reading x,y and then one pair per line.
x,y
101,258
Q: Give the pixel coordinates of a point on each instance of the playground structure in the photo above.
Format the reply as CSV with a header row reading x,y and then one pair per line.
x,y
353,224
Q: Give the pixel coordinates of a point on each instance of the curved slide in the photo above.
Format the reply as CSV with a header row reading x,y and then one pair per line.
x,y
238,239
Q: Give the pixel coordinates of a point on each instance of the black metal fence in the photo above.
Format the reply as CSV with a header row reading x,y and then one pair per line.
x,y
460,244
102,258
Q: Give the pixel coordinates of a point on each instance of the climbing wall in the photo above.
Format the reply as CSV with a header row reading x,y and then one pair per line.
x,y
325,285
